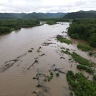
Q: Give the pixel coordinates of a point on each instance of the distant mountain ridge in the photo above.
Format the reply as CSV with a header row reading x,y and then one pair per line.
x,y
31,15
81,14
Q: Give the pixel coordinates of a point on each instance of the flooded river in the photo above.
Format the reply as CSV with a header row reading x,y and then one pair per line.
x,y
16,79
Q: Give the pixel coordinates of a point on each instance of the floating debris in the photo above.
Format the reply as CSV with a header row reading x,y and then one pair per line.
x,y
8,64
46,43
36,61
42,54
29,50
62,58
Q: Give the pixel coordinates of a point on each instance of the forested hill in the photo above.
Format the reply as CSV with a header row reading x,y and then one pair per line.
x,y
80,14
30,15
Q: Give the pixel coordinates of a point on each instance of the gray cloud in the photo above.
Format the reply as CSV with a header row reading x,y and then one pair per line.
x,y
46,5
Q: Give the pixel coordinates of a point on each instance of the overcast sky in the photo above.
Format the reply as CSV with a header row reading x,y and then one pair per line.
x,y
29,6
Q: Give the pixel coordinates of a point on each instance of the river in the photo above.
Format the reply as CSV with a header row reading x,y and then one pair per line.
x,y
16,79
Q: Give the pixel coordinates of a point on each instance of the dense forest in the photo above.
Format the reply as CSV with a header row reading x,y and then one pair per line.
x,y
10,25
80,14
83,29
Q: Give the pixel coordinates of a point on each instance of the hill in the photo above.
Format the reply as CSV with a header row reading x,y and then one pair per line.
x,y
31,15
80,14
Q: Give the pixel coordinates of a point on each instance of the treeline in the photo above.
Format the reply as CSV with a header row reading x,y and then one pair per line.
x,y
54,21
51,21
80,84
83,29
10,25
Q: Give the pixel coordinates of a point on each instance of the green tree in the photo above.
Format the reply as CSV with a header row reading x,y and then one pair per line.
x,y
92,40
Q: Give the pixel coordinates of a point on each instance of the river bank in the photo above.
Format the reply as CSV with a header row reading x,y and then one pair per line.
x,y
9,25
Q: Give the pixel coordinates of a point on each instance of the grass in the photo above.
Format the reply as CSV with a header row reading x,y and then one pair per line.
x,y
63,40
82,60
88,69
83,47
76,57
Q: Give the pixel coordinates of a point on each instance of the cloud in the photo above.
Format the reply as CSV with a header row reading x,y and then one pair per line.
x,y
46,5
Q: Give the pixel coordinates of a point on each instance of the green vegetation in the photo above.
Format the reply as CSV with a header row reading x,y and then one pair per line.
x,y
83,67
49,77
84,47
71,94
54,20
63,40
76,57
57,74
90,53
80,14
7,26
80,84
45,80
66,52
94,77
51,73
82,60
51,22
83,29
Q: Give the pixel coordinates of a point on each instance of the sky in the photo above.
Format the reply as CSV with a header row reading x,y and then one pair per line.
x,y
45,6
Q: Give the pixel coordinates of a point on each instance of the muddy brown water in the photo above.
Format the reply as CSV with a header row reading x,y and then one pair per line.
x,y
17,79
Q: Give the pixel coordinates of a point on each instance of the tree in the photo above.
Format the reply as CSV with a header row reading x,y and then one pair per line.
x,y
92,40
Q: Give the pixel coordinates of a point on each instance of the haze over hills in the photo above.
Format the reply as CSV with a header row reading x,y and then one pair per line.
x,y
34,15
81,14
31,15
